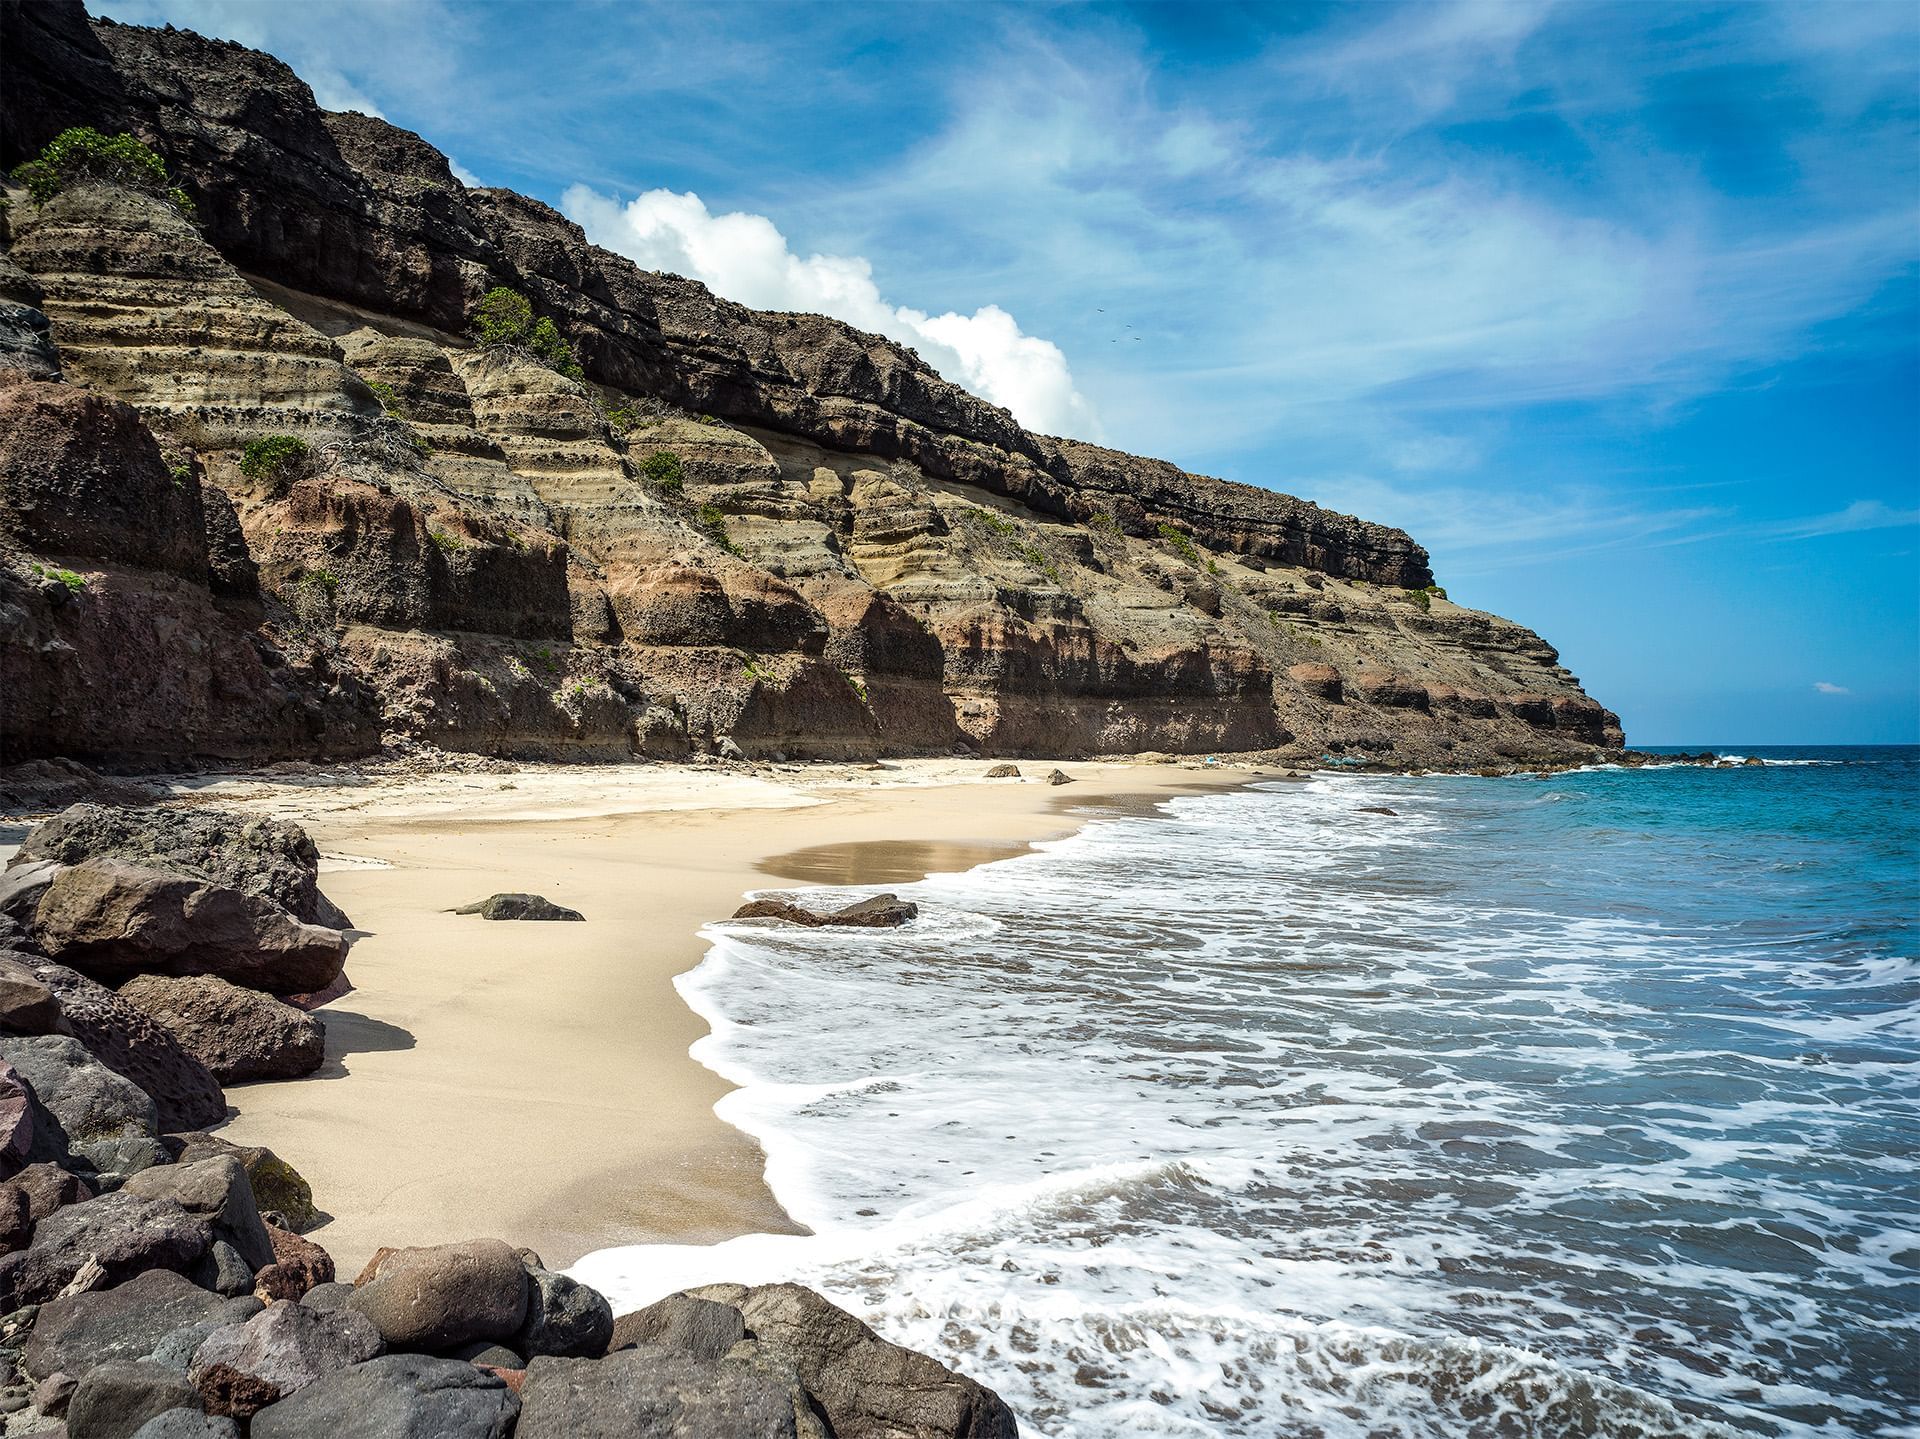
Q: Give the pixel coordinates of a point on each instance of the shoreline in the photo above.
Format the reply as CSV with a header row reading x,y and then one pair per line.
x,y
534,1080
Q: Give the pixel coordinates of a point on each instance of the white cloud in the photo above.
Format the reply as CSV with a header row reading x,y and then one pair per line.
x,y
1825,688
1860,515
744,257
464,175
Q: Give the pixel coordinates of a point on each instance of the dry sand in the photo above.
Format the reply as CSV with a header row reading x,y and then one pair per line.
x,y
532,1081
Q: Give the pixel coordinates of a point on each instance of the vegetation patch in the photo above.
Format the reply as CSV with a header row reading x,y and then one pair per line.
x,y
384,393
82,154
1182,543
273,457
664,469
504,320
72,579
992,520
447,544
1420,598
755,672
1105,523
713,522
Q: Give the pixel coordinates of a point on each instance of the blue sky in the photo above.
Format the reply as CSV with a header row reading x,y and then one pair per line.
x,y
1614,307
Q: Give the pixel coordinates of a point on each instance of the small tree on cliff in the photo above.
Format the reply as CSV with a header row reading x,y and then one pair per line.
x,y
83,153
504,320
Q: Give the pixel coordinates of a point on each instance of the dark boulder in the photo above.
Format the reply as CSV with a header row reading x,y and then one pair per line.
x,y
238,1034
658,1394
866,1387
30,1196
698,1328
436,1299
882,911
130,1321
1377,809
188,1424
116,1399
266,858
86,1118
565,1319
397,1396
112,919
26,1005
16,1121
518,906
122,1234
243,1368
136,1046
1058,777
278,1187
216,1191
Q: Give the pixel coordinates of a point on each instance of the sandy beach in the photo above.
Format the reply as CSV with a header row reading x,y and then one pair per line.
x,y
532,1081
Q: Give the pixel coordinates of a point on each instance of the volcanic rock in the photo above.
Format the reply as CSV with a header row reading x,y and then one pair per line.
x,y
116,1399
123,1234
397,1396
129,1321
298,1265
85,1117
882,911
518,906
697,1328
239,1034
245,1367
565,1319
438,1298
214,1190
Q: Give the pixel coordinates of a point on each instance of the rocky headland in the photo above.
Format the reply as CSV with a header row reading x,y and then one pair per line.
x,y
265,493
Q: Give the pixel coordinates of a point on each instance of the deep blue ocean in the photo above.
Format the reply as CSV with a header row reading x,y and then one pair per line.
x,y
1582,1105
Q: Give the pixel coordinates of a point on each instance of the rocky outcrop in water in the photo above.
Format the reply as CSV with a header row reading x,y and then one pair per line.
x,y
742,532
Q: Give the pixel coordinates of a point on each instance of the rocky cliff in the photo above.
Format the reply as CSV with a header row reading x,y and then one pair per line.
x,y
847,554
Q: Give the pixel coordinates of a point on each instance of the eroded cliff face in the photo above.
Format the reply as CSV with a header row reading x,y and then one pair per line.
x,y
855,556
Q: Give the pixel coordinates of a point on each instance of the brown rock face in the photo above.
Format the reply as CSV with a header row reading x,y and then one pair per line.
x,y
745,532
239,1034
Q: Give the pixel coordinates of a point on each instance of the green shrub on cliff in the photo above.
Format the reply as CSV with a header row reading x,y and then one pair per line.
x,y
1420,598
1182,543
272,456
83,153
664,469
713,520
504,319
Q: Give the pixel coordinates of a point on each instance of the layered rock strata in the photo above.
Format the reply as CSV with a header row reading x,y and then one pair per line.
x,y
744,532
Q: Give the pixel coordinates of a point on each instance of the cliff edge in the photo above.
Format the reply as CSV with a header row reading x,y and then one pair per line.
x,y
736,531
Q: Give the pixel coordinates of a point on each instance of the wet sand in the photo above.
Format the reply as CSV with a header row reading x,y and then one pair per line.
x,y
532,1081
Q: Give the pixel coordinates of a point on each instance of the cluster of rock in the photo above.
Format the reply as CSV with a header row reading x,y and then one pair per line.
x,y
155,1280
857,557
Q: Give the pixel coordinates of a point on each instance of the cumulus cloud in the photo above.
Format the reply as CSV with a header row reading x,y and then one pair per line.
x,y
1824,687
744,257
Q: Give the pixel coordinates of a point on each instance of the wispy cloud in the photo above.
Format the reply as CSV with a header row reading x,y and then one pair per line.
x,y
1825,687
1860,515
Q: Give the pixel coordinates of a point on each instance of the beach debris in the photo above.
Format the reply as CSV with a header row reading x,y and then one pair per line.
x,y
1003,771
882,911
1059,777
239,1034
518,906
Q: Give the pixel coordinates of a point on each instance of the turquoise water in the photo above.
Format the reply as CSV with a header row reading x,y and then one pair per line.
x,y
1572,1106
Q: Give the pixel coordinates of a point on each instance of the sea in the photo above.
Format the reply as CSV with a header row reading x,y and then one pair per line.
x,y
1370,1107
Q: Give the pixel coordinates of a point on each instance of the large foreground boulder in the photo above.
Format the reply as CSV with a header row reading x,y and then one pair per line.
x,y
238,1034
265,858
655,1394
881,911
132,1321
120,1235
112,919
397,1396
118,1398
565,1318
866,1387
135,1046
436,1299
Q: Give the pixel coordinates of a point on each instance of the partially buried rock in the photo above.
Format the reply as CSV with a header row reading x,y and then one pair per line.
x,y
128,1322
239,1034
243,1368
397,1396
116,1399
882,911
1059,777
518,906
1004,771
267,858
111,919
439,1298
